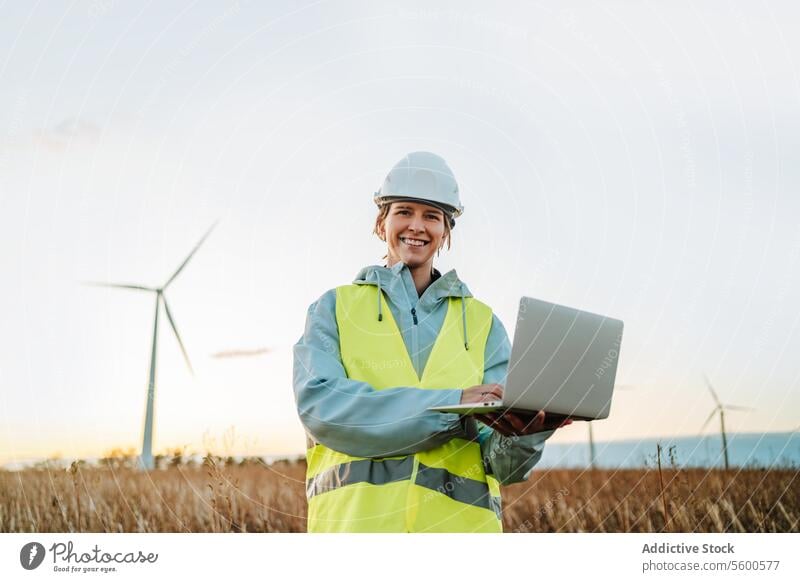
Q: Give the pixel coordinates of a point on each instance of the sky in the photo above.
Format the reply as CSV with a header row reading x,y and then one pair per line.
x,y
636,159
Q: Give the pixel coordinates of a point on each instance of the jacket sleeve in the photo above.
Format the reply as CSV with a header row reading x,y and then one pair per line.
x,y
511,459
351,416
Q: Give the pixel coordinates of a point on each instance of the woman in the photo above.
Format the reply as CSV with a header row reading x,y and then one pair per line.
x,y
377,354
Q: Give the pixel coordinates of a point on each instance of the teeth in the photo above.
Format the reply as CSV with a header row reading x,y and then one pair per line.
x,y
413,242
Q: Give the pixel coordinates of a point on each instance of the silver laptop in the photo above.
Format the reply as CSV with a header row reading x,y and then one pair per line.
x,y
563,361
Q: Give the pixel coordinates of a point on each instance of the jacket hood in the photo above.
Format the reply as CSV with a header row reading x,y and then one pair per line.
x,y
390,279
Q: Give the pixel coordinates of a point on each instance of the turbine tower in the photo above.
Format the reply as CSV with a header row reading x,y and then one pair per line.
x,y
146,458
592,455
592,450
721,408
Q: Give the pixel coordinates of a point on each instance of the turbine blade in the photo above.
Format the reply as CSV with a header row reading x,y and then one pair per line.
x,y
177,335
711,389
731,407
118,286
710,416
191,254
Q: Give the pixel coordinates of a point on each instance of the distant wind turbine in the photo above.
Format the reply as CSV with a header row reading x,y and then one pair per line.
x,y
721,408
146,458
592,453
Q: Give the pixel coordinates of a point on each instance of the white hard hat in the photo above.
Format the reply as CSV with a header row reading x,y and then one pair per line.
x,y
425,177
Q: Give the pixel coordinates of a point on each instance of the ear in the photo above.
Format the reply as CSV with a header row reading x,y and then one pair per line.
x,y
380,230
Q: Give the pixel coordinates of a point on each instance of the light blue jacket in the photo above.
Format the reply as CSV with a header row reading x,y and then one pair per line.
x,y
352,417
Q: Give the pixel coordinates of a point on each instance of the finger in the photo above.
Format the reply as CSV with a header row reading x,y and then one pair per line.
x,y
486,396
527,424
516,422
504,429
496,422
509,420
510,429
497,390
495,393
536,423
526,417
541,417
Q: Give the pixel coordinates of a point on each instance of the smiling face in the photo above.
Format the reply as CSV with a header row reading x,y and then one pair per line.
x,y
413,231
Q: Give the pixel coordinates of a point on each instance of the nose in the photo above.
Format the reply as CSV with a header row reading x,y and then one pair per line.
x,y
416,224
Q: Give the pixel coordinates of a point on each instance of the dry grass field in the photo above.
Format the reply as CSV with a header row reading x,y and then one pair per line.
x,y
223,496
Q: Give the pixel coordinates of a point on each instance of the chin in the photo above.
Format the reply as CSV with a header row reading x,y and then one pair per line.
x,y
413,258
413,262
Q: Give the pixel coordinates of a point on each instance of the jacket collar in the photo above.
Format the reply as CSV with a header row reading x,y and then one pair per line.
x,y
397,278
391,279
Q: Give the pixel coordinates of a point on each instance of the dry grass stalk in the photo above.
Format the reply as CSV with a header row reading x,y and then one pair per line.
x,y
224,497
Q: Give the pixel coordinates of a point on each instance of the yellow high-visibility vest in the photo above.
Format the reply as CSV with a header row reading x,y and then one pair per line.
x,y
445,489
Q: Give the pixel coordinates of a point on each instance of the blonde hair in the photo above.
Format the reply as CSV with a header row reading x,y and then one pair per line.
x,y
383,212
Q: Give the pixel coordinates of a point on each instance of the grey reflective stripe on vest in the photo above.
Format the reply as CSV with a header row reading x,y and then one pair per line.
x,y
461,489
362,471
458,488
497,507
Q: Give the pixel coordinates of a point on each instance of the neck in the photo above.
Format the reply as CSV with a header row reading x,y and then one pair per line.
x,y
422,274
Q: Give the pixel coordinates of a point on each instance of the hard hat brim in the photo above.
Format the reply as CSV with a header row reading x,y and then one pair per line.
x,y
447,209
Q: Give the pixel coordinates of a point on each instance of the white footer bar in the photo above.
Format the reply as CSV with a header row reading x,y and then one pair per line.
x,y
378,558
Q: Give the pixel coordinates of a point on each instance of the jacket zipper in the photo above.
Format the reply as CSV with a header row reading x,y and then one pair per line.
x,y
414,355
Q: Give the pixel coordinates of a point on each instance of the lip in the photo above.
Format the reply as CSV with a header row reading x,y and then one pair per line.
x,y
422,246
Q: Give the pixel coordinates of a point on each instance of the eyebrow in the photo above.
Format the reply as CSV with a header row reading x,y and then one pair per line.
x,y
406,207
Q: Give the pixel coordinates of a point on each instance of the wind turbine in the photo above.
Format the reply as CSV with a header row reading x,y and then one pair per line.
x,y
592,453
592,456
146,458
721,408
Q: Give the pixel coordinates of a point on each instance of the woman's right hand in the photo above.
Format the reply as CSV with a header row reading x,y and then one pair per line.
x,y
482,393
